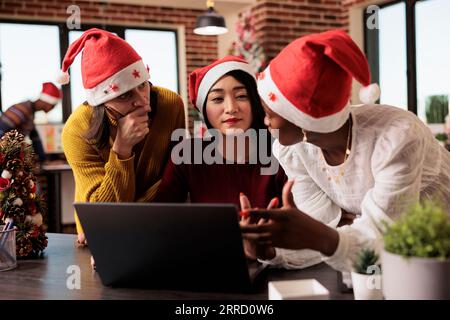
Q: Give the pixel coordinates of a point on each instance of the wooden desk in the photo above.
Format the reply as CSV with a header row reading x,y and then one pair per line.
x,y
46,279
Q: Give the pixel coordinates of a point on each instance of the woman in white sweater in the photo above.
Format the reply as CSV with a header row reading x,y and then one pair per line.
x,y
370,160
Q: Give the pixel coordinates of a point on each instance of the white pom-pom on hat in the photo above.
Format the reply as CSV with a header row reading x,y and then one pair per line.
x,y
63,78
369,94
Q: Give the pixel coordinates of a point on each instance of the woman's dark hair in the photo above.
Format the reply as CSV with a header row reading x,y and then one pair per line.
x,y
255,102
99,131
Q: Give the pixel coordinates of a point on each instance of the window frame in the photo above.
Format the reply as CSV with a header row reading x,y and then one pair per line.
x,y
371,48
61,52
64,45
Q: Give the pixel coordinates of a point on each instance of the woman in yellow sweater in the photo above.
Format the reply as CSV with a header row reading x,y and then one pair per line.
x,y
119,140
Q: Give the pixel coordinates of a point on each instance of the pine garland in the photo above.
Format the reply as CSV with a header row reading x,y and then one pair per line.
x,y
18,199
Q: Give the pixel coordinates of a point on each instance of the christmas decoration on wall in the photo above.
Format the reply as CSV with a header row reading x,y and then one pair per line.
x,y
19,202
247,46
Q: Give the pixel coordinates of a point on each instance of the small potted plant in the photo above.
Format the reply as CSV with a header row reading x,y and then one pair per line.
x,y
442,138
436,109
366,276
416,255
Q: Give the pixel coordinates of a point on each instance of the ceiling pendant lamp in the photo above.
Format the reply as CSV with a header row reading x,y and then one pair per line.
x,y
210,23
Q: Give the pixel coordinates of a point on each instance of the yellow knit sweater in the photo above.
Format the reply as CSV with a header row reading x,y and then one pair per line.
x,y
100,176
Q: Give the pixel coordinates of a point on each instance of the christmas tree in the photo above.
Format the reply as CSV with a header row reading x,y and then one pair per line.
x,y
247,46
19,202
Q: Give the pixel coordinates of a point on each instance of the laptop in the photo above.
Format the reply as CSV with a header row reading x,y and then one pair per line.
x,y
168,246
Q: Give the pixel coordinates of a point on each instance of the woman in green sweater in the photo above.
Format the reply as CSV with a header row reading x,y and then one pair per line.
x,y
119,140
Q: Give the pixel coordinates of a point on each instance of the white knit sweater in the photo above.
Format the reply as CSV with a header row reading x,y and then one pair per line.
x,y
394,161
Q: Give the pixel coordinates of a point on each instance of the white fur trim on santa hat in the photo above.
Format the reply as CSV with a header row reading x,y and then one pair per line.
x,y
63,77
369,94
215,74
278,103
119,83
48,98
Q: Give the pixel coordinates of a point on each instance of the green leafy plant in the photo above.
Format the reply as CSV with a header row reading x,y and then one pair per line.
x,y
423,231
436,108
441,137
365,259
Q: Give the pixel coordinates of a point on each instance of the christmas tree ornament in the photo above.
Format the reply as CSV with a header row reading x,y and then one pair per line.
x,y
247,46
19,202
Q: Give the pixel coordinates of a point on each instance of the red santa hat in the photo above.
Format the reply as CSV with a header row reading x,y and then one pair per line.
x,y
50,93
309,82
109,66
202,79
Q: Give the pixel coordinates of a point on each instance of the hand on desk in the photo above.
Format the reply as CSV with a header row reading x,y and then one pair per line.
x,y
92,263
81,240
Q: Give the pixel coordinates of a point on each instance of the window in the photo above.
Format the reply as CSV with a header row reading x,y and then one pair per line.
x,y
408,53
432,50
392,55
32,51
29,56
158,50
77,94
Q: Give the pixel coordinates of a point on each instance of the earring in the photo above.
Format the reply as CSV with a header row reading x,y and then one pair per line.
x,y
305,139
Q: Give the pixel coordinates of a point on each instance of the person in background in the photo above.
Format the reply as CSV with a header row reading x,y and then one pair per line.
x,y
117,142
370,160
21,116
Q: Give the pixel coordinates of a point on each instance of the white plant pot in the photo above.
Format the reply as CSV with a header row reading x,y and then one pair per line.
x,y
415,278
436,128
367,287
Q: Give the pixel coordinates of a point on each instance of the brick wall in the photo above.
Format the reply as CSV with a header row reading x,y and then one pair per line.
x,y
279,22
348,3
